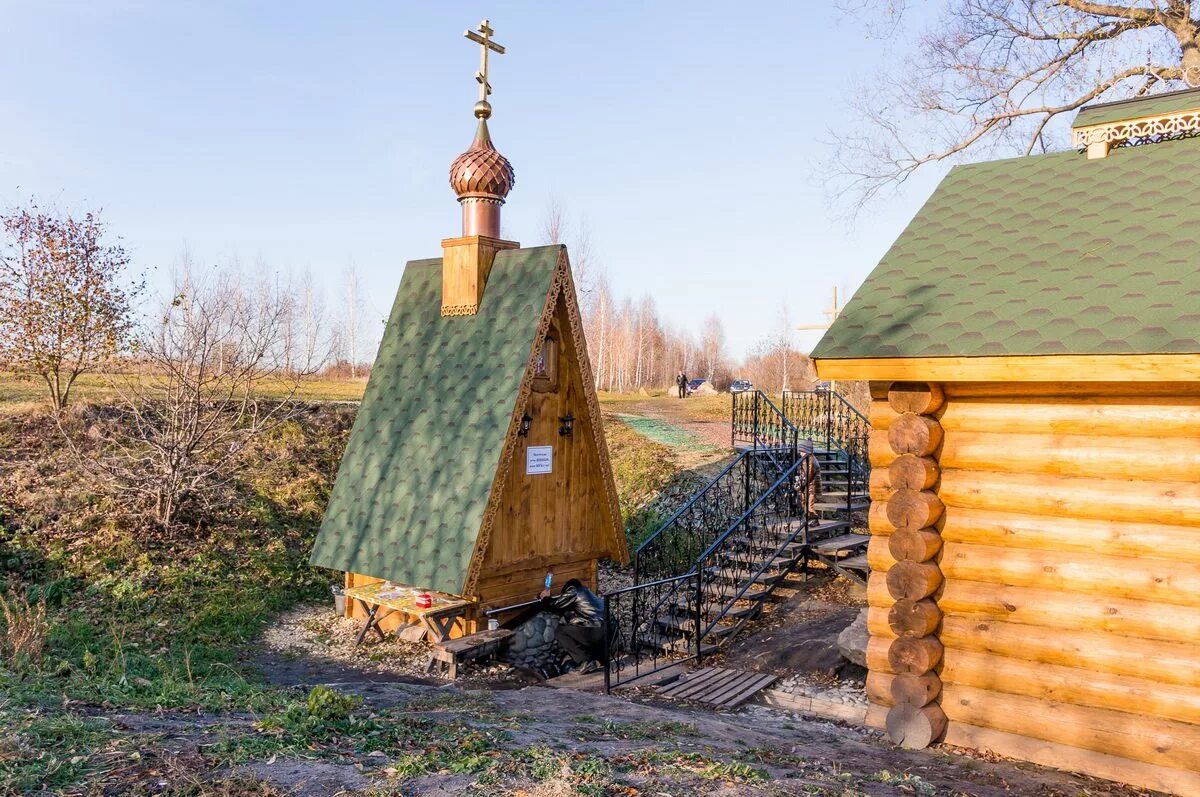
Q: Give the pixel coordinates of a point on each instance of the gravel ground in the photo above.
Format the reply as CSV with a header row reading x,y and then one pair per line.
x,y
311,644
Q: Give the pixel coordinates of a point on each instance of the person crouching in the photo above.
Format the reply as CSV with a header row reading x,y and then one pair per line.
x,y
580,629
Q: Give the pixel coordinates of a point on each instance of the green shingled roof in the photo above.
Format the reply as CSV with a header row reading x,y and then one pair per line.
x,y
1122,110
1052,254
412,486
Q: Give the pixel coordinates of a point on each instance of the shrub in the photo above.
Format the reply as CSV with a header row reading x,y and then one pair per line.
x,y
23,636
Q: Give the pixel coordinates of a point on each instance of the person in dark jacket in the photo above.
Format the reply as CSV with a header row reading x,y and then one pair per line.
x,y
681,382
580,631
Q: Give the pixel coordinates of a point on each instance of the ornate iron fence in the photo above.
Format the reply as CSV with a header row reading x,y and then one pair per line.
x,y
652,626
672,549
657,624
738,562
832,423
760,424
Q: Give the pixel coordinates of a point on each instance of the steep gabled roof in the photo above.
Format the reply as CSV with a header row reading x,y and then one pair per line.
x,y
415,479
1051,254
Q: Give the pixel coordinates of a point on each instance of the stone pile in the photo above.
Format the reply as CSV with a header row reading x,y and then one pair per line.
x,y
532,646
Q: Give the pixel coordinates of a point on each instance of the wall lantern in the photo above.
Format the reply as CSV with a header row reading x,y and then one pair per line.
x,y
568,424
526,423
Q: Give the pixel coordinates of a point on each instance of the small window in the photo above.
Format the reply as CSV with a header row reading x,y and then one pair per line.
x,y
545,368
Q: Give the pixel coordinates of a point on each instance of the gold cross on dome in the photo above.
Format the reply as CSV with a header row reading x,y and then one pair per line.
x,y
484,39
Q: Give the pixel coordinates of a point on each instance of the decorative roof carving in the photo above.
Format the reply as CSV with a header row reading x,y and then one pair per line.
x,y
1148,130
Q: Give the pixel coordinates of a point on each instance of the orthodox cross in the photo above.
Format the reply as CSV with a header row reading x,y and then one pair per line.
x,y
833,312
484,39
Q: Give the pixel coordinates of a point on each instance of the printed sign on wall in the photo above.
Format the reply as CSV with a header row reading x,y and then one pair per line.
x,y
538,459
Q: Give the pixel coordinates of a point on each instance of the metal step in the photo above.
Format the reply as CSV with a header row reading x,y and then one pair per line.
x,y
820,528
729,591
711,610
845,542
749,557
855,563
739,576
840,506
687,625
670,644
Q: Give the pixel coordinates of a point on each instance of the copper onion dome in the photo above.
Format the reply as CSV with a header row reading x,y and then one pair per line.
x,y
482,172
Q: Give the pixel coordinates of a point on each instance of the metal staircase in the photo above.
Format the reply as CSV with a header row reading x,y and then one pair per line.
x,y
710,567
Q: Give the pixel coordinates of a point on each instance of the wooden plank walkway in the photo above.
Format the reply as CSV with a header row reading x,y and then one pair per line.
x,y
717,686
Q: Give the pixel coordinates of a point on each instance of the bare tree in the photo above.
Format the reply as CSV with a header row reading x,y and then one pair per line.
x,y
65,308
993,76
556,229
211,379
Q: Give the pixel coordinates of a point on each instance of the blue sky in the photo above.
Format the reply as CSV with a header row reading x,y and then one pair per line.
x,y
318,135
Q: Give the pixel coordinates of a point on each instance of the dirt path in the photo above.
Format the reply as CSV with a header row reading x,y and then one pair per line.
x,y
659,748
697,441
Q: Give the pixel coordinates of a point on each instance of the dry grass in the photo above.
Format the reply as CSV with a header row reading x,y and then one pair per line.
x,y
18,394
23,636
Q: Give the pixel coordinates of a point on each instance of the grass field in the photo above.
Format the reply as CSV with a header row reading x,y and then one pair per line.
x,y
104,387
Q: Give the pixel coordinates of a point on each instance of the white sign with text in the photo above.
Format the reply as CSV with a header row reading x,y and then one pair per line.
x,y
538,459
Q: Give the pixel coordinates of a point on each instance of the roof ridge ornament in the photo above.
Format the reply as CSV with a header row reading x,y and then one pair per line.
x,y
1100,138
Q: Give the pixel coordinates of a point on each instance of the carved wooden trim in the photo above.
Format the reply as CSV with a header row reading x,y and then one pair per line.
x,y
620,544
1153,128
511,438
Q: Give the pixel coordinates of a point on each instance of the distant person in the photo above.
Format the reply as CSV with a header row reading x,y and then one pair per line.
x,y
681,382
580,631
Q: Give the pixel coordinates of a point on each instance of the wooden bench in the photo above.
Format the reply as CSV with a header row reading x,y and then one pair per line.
x,y
450,654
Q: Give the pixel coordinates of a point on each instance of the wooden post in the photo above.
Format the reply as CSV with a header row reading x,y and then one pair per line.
x,y
915,719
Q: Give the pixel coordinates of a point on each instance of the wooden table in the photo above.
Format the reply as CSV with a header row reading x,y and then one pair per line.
x,y
437,619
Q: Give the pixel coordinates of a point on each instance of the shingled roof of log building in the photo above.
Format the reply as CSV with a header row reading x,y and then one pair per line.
x,y
1048,254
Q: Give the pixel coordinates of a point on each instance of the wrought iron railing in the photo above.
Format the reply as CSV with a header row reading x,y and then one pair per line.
x,y
833,424
659,623
672,549
760,424
652,626
736,562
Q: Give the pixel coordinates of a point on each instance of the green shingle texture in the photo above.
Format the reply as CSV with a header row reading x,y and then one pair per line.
x,y
1135,109
412,486
1052,254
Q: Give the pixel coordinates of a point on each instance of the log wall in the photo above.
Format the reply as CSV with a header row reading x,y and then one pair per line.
x,y
1063,523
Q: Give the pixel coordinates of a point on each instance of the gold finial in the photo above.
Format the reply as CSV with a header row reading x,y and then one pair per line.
x,y
483,108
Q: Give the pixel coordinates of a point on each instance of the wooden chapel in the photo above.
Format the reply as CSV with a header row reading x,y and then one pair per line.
x,y
477,462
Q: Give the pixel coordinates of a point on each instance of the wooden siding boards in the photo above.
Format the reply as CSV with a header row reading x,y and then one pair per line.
x,y
1071,566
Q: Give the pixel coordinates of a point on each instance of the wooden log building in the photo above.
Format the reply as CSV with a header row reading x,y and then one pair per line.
x,y
477,461
1032,341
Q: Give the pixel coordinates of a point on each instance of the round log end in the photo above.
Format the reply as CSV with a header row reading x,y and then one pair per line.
x,y
923,398
913,580
914,434
916,690
913,727
914,509
914,618
914,655
914,545
908,471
